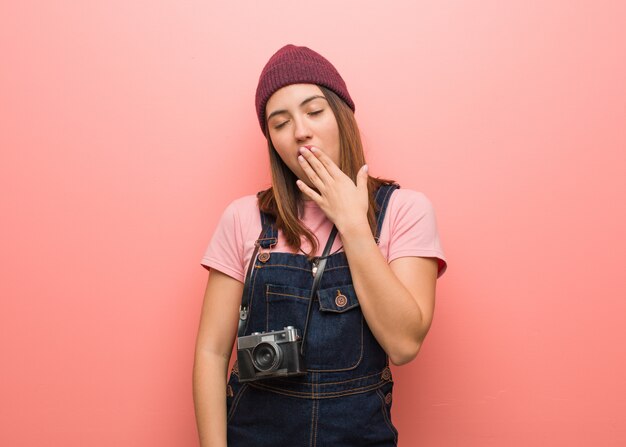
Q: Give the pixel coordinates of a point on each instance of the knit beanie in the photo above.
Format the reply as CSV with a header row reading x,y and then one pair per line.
x,y
297,65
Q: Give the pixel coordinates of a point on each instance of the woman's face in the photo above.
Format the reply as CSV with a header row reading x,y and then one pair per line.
x,y
299,115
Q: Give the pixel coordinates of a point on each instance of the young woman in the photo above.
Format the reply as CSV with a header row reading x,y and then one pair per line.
x,y
334,321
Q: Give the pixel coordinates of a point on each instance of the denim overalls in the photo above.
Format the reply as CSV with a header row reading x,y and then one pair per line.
x,y
345,397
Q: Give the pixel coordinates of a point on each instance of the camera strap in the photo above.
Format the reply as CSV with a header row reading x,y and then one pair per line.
x,y
321,264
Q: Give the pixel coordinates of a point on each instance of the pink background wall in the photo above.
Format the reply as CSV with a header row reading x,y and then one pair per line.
x,y
126,127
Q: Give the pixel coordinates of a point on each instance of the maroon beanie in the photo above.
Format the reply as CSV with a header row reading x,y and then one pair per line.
x,y
297,65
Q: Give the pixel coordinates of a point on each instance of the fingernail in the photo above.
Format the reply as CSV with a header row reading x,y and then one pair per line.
x,y
300,158
365,168
302,150
313,149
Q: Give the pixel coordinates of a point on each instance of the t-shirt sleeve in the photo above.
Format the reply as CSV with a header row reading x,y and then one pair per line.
x,y
225,251
413,229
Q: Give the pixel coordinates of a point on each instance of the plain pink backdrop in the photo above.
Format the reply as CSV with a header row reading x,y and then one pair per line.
x,y
126,127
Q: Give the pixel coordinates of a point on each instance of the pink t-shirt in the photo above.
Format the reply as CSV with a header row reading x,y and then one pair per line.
x,y
409,229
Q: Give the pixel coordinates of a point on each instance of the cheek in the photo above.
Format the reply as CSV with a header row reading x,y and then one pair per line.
x,y
286,156
333,139
332,131
279,146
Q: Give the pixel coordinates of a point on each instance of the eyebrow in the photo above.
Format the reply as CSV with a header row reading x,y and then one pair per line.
x,y
309,99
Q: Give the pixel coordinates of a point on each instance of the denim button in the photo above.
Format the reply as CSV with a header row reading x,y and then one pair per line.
x,y
264,257
340,300
229,391
386,375
388,398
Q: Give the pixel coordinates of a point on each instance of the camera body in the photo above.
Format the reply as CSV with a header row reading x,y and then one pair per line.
x,y
263,355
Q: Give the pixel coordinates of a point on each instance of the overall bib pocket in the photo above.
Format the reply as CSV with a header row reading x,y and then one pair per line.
x,y
286,306
335,338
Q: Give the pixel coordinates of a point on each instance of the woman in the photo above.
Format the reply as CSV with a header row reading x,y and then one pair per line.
x,y
368,301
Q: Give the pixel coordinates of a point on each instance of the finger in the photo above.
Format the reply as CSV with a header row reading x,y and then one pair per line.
x,y
361,177
316,164
310,172
309,192
332,169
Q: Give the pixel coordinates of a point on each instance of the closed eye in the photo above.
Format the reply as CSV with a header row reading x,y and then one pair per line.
x,y
313,113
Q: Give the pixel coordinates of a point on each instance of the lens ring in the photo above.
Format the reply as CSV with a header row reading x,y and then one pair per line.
x,y
267,356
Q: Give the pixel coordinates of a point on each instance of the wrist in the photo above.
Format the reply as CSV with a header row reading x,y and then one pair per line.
x,y
357,229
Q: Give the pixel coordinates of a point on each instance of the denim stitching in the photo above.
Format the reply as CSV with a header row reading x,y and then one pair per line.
x,y
328,269
333,394
336,268
311,427
321,395
266,266
338,311
285,294
383,409
267,307
317,418
236,400
312,424
351,367
331,383
315,408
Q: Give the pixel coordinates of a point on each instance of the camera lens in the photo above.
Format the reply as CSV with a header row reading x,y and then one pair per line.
x,y
266,356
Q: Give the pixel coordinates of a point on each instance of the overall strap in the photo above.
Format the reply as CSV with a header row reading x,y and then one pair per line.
x,y
382,200
267,238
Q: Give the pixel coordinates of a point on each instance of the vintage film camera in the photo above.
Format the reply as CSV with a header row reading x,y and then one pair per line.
x,y
264,355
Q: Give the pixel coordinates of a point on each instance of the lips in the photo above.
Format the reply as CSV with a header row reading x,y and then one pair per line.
x,y
308,146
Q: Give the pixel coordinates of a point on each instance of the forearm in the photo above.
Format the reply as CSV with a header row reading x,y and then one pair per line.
x,y
209,394
392,314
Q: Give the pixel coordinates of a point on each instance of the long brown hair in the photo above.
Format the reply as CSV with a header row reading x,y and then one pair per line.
x,y
283,199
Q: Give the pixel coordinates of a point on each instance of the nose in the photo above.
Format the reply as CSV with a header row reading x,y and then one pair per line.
x,y
301,132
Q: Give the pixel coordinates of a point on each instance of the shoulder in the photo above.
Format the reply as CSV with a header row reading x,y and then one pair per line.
x,y
243,203
240,214
405,201
413,229
241,206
